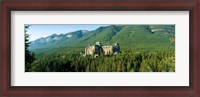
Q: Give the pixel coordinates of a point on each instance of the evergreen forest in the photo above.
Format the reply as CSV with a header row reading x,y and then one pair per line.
x,y
143,48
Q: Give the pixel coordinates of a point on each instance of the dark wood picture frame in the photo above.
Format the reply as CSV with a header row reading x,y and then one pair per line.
x,y
193,90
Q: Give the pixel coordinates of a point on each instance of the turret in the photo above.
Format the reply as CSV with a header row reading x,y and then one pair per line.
x,y
98,43
116,48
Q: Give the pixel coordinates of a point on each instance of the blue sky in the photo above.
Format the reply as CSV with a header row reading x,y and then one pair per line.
x,y
43,30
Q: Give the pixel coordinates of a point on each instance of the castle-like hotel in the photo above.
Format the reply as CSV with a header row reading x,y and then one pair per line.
x,y
98,49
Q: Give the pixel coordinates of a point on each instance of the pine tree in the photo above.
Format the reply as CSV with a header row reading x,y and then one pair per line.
x,y
29,56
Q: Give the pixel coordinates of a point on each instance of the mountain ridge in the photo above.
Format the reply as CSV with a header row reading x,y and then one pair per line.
x,y
123,34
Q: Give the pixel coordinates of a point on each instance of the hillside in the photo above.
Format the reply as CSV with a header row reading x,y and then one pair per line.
x,y
137,37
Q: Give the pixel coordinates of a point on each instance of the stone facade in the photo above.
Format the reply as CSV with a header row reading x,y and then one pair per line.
x,y
89,50
98,48
94,49
116,48
107,50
